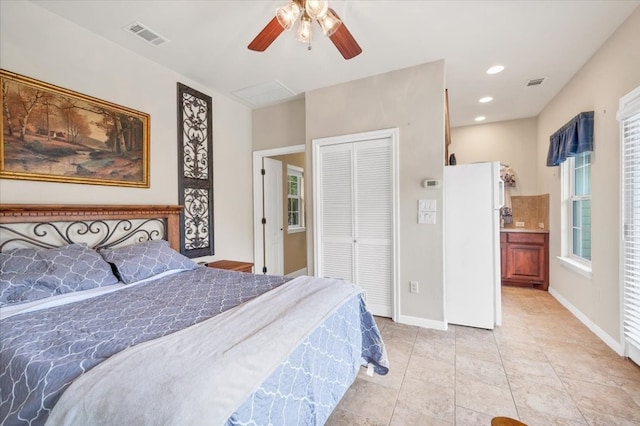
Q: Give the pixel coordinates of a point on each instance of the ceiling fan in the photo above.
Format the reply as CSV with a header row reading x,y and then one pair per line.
x,y
309,11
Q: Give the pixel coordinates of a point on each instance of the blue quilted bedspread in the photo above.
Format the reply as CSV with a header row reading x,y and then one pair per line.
x,y
43,352
307,386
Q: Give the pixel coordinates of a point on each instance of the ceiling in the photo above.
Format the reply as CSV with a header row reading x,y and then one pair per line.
x,y
532,39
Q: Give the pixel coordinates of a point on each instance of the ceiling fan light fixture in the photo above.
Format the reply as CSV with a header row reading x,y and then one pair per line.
x,y
329,23
305,34
311,10
316,9
287,15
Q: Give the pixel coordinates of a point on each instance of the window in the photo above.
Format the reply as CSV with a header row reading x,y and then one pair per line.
x,y
629,117
295,200
578,209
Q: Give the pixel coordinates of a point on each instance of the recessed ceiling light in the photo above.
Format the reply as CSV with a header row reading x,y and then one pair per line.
x,y
485,99
480,118
495,69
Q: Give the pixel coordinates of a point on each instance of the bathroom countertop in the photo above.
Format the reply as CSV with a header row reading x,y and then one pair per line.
x,y
533,231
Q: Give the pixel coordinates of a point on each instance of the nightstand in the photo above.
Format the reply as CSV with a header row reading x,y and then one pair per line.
x,y
232,265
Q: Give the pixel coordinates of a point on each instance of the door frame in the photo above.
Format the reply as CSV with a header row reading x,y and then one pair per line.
x,y
258,252
394,135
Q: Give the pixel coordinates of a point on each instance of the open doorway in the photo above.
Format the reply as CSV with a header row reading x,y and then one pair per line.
x,y
280,236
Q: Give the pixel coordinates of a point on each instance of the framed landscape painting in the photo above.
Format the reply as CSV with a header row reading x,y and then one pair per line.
x,y
53,134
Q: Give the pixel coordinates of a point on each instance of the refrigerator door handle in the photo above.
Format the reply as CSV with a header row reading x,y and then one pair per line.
x,y
501,194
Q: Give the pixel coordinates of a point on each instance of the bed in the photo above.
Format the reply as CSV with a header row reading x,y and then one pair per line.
x,y
103,322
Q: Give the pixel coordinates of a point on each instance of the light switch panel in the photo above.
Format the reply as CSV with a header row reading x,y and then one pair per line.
x,y
431,218
427,205
428,218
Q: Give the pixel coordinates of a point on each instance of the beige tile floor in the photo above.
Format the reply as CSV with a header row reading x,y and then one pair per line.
x,y
543,367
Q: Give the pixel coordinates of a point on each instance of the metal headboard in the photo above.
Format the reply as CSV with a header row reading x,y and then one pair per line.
x,y
100,226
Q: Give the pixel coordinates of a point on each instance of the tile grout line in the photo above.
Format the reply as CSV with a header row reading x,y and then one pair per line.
x,y
395,404
564,386
506,376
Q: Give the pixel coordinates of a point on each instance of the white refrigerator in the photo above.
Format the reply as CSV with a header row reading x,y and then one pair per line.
x,y
473,195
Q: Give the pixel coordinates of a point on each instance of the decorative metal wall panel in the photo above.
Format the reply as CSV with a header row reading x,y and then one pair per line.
x,y
195,132
196,218
195,171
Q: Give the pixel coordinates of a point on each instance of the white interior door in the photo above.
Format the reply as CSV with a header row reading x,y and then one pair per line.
x,y
355,217
374,223
273,208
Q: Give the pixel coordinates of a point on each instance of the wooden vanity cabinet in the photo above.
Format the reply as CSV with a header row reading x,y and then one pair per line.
x,y
524,259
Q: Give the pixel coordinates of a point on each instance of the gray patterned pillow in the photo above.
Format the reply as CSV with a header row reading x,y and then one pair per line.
x,y
32,274
143,260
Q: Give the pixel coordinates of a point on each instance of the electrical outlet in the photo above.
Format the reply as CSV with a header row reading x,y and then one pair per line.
x,y
414,286
520,224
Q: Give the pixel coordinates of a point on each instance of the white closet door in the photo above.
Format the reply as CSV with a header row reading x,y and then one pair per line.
x,y
374,223
355,226
337,211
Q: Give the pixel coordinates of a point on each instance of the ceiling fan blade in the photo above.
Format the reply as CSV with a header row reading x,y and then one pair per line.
x,y
344,41
266,36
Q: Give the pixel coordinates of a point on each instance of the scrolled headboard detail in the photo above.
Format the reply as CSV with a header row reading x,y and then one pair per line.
x,y
109,224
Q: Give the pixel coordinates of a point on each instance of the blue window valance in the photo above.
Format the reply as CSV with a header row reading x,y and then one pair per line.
x,y
573,138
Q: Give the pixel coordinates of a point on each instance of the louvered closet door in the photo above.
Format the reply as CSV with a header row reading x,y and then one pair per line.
x,y
374,221
356,218
337,254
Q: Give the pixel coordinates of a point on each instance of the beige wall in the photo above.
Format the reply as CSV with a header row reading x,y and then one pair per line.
x,y
512,142
295,244
412,100
107,71
279,125
611,73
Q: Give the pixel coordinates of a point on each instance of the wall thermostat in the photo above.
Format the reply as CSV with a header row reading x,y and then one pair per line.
x,y
431,183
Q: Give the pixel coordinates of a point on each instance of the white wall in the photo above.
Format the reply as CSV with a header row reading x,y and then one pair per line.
x,y
613,71
44,46
512,142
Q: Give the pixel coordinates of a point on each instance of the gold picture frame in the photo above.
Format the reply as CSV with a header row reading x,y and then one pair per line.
x,y
48,133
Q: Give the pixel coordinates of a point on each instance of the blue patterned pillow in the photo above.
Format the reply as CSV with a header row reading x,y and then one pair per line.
x,y
143,260
32,274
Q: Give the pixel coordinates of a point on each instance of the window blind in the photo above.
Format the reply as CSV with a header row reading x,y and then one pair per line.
x,y
629,116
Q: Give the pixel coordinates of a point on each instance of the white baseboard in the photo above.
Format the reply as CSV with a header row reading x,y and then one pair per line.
x,y
606,338
422,322
298,273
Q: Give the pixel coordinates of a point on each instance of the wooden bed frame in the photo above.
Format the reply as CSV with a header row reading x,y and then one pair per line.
x,y
89,213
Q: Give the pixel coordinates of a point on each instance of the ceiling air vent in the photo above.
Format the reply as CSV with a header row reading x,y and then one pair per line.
x,y
145,33
265,93
535,82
